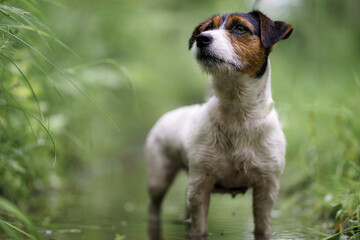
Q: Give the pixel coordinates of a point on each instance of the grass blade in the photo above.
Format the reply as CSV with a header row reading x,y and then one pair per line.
x,y
43,126
17,229
65,76
27,82
16,101
11,208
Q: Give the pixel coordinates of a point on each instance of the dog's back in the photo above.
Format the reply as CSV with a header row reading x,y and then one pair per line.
x,y
165,145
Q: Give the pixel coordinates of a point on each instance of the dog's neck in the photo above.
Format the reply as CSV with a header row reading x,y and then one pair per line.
x,y
243,97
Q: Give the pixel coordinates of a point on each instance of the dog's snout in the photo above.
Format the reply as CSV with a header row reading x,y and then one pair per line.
x,y
202,40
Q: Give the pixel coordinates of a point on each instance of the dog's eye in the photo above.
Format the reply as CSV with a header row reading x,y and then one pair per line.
x,y
240,29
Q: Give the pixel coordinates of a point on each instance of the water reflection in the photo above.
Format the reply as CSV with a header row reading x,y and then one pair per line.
x,y
155,232
112,204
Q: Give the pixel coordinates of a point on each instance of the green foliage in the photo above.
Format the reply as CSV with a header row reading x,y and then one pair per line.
x,y
320,106
25,141
19,222
119,237
346,214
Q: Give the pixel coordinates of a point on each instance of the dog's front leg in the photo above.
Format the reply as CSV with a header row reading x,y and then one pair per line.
x,y
198,199
264,196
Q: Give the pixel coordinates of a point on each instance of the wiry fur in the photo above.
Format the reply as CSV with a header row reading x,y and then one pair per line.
x,y
232,142
221,53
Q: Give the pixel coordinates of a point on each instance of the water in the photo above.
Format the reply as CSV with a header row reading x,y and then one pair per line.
x,y
112,204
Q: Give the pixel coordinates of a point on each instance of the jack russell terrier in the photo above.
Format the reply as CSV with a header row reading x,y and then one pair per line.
x,y
234,141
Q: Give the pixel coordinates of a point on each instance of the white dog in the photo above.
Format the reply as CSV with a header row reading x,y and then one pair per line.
x,y
234,141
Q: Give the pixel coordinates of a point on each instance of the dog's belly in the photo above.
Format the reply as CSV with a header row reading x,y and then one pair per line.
x,y
232,181
233,191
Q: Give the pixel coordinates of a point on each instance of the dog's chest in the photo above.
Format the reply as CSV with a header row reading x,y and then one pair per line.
x,y
237,154
234,149
237,143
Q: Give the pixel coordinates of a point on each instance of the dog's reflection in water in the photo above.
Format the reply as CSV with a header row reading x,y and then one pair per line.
x,y
155,232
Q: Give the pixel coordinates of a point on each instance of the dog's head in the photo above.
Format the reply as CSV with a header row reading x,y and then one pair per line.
x,y
239,42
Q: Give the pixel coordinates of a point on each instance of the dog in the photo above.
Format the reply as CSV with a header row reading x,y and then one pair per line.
x,y
234,141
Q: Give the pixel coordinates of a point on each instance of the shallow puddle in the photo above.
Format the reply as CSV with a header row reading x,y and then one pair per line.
x,y
112,204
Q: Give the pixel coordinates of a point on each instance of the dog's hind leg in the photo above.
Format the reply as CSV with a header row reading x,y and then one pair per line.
x,y
161,172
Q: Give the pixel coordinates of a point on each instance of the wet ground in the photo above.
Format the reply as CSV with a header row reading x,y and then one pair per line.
x,y
111,204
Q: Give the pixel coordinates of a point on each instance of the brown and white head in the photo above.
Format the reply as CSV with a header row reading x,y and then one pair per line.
x,y
237,42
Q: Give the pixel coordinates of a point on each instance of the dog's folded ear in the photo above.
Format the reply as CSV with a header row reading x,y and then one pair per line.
x,y
197,31
271,32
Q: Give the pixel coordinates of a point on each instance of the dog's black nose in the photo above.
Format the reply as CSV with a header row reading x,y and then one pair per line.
x,y
202,40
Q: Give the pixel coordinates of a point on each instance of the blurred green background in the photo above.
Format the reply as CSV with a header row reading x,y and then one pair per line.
x,y
85,80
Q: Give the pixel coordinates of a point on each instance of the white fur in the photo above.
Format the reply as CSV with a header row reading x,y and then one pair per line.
x,y
233,140
221,48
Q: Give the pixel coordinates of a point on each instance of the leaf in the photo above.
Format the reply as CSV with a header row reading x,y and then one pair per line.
x,y
119,237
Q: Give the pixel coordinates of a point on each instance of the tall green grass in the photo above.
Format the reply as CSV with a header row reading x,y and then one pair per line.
x,y
34,109
31,100
27,147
